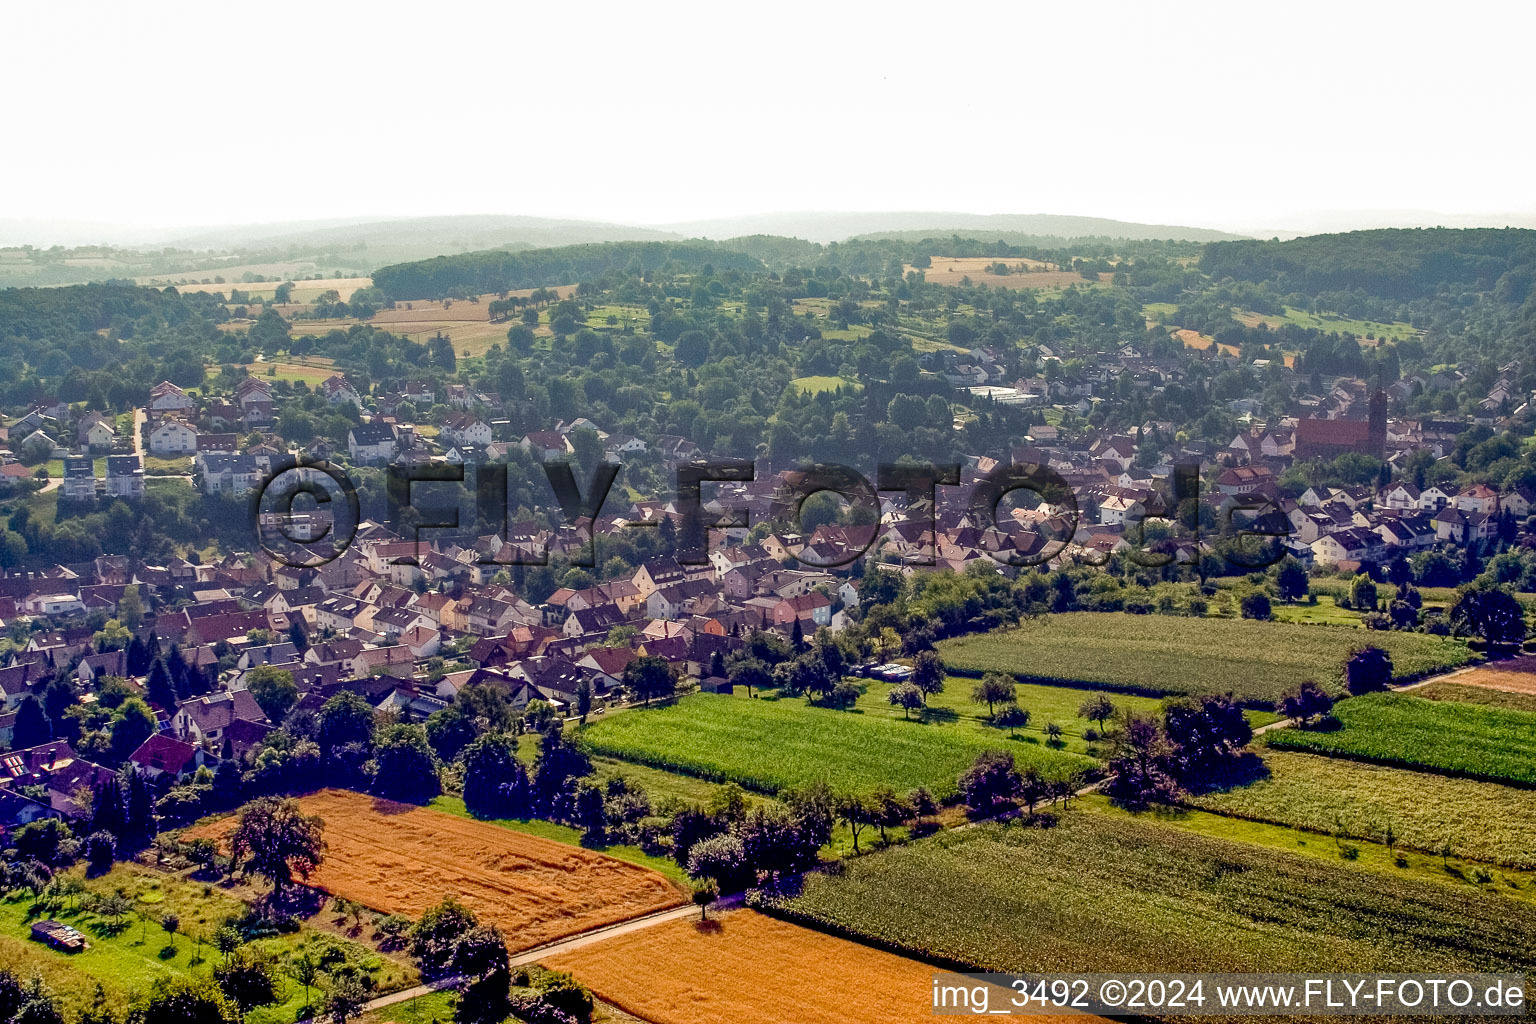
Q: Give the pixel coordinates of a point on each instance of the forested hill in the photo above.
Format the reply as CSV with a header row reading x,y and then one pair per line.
x,y
478,273
1395,263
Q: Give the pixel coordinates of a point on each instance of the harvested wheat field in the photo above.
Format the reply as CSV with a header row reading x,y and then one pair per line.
x,y
1022,273
743,967
1517,675
400,858
1196,340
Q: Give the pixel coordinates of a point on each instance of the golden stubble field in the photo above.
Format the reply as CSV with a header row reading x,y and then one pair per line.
x,y
1517,675
742,967
402,859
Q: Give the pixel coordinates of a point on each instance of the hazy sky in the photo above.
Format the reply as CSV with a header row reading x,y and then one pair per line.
x,y
1221,114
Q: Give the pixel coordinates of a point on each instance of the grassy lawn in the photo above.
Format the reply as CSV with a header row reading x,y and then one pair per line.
x,y
127,958
663,786
566,834
818,384
1446,737
1160,654
1483,821
1353,853
1326,612
433,1008
1128,894
769,745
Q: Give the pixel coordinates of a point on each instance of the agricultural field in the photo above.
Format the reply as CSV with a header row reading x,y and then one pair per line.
x,y
736,968
401,859
1159,654
770,745
1363,330
1023,273
1116,893
1483,821
1399,863
567,835
1515,676
1439,736
1485,696
127,955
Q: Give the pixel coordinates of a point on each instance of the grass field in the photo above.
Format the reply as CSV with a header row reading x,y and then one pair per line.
x,y
399,858
1445,737
1354,854
815,385
1046,704
1330,322
743,967
1111,893
126,962
1480,820
773,745
1454,691
1159,654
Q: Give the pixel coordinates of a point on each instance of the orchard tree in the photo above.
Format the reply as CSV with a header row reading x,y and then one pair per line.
x,y
905,696
1011,717
1291,581
1307,703
277,839
928,674
1097,708
995,688
992,780
1491,614
1368,670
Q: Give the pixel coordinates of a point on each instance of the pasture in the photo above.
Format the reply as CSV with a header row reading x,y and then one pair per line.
x,y
817,384
1483,821
1333,323
1126,894
953,706
743,967
401,859
1439,736
770,745
127,955
1159,654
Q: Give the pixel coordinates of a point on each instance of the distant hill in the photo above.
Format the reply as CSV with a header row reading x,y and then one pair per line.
x,y
433,236
834,227
1399,263
496,270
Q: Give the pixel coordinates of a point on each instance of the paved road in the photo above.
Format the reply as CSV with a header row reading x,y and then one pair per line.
x,y
530,956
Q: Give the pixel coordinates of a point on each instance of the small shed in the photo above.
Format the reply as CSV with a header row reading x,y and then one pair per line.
x,y
58,935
